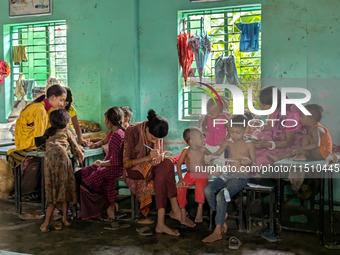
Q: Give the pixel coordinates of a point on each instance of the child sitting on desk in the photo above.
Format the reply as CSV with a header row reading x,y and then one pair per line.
x,y
193,156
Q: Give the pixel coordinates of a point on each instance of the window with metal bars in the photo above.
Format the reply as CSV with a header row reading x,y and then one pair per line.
x,y
220,24
46,51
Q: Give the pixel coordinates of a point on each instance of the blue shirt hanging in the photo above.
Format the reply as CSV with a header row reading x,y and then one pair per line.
x,y
249,36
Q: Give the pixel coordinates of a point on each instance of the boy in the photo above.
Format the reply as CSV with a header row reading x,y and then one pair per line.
x,y
241,153
317,144
193,156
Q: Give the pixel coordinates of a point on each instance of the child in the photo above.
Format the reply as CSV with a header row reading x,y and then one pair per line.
x,y
98,181
193,156
73,114
60,185
102,143
215,135
317,144
127,116
241,153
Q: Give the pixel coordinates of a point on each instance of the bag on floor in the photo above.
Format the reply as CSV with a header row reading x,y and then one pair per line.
x,y
31,177
6,179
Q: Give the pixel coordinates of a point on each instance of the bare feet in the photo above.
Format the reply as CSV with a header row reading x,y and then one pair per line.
x,y
215,236
66,223
335,158
175,216
166,230
273,157
300,157
187,222
224,228
199,219
44,228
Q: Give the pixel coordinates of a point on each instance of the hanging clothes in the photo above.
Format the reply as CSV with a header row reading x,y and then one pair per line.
x,y
28,86
225,67
250,32
19,54
19,89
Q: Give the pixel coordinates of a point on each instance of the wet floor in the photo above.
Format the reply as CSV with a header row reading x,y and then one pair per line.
x,y
85,237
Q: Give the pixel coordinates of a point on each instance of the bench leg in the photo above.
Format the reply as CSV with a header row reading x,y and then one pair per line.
x,y
42,186
248,215
240,211
271,213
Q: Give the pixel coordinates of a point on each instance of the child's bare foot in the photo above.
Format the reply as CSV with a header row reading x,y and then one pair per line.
x,y
175,216
335,158
300,157
273,157
44,228
166,230
224,228
215,236
199,219
187,222
66,223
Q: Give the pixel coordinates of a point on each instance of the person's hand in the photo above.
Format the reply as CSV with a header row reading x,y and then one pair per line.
x,y
105,148
92,145
81,159
97,163
262,144
297,151
83,142
154,154
180,183
245,161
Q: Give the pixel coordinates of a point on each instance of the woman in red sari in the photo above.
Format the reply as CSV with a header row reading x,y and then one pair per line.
x,y
147,170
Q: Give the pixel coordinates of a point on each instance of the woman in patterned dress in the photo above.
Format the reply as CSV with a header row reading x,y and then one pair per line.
x,y
60,184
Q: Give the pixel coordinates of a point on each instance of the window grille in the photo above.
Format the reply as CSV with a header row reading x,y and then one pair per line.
x,y
220,25
46,47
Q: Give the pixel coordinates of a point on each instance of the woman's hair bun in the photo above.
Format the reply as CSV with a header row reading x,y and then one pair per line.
x,y
151,114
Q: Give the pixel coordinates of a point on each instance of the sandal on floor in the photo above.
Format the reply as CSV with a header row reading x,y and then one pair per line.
x,y
31,216
234,243
116,225
145,231
58,225
146,221
44,231
120,216
106,220
269,236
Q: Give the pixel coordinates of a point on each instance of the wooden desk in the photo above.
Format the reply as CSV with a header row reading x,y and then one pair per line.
x,y
311,167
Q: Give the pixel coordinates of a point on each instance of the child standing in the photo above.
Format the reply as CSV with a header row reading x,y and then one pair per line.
x,y
193,156
215,134
98,181
73,114
60,184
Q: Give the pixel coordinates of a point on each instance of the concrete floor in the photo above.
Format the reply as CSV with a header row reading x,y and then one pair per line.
x,y
85,237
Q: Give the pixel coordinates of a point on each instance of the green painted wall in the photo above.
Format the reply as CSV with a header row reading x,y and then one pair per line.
x,y
124,53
